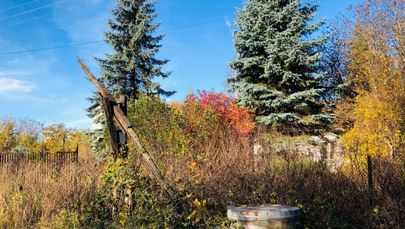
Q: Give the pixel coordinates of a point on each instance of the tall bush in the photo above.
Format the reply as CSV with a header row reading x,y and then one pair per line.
x,y
376,73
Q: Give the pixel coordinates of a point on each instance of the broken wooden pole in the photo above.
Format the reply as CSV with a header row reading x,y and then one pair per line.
x,y
114,143
123,104
122,136
124,124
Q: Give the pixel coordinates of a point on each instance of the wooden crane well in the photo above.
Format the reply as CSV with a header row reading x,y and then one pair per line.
x,y
115,113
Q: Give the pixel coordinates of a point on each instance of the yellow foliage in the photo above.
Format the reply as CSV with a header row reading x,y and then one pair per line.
x,y
376,210
376,73
193,164
29,142
199,213
376,128
28,136
57,138
7,135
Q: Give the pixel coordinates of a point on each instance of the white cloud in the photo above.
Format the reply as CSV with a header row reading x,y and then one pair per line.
x,y
228,23
9,85
14,73
17,67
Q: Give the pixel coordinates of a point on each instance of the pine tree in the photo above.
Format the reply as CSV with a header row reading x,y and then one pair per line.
x,y
132,68
277,66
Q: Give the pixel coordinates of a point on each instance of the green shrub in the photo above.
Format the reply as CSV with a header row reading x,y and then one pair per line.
x,y
158,128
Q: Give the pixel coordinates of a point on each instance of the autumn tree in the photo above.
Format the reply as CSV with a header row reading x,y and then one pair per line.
x,y
7,135
334,62
277,67
20,135
28,136
58,137
376,70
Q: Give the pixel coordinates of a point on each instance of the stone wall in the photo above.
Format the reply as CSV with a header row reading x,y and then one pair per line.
x,y
328,149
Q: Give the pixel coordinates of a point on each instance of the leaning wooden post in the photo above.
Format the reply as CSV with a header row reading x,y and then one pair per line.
x,y
124,124
123,104
123,144
114,143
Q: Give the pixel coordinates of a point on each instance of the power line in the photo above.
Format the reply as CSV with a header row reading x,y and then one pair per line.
x,y
33,10
41,16
191,25
51,48
99,41
22,4
25,21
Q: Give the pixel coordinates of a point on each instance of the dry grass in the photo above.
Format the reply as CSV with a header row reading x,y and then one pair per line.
x,y
220,169
34,194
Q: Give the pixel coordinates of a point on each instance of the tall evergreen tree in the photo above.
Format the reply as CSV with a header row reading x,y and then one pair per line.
x,y
133,66
277,66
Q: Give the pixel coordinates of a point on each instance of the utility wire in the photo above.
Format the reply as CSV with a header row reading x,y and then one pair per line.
x,y
25,21
22,4
99,41
32,10
51,48
191,25
41,16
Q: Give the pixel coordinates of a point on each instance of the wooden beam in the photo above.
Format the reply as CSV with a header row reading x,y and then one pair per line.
x,y
114,142
102,90
127,128
123,104
123,122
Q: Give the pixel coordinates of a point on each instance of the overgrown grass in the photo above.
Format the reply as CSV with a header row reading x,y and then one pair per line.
x,y
29,198
210,166
339,199
224,175
217,168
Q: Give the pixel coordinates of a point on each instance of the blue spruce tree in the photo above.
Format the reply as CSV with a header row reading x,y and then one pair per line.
x,y
278,73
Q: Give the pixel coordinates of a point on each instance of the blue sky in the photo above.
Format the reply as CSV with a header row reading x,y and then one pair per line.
x,y
48,86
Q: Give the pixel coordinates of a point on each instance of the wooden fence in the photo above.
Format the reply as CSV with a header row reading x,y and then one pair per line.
x,y
56,159
38,166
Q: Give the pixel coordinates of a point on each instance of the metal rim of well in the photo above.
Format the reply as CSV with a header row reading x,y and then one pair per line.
x,y
263,212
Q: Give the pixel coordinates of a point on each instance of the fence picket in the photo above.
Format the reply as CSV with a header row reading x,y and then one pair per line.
x,y
46,162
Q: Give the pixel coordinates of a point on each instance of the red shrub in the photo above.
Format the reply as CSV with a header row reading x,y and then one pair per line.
x,y
225,109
